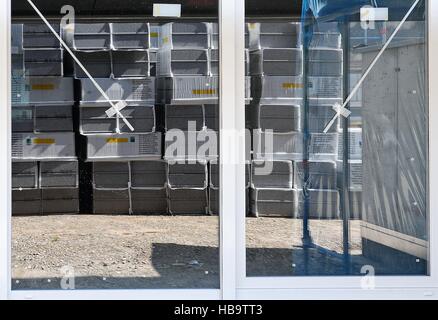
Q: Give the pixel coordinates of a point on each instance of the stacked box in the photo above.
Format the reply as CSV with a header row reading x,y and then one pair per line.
x,y
272,189
187,188
129,187
214,185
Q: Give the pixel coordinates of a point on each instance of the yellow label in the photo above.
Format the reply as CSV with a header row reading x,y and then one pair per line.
x,y
117,140
291,85
204,91
154,34
44,141
43,86
165,39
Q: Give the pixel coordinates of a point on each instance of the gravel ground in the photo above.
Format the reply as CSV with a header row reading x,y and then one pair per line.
x,y
163,251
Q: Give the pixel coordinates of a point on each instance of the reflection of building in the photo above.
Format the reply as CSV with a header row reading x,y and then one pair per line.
x,y
395,155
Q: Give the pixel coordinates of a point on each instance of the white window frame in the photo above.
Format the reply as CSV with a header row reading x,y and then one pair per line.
x,y
234,283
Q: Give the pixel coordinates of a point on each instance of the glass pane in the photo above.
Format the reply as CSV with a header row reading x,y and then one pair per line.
x,y
339,121
114,134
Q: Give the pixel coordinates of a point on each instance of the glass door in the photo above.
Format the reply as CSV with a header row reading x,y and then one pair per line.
x,y
115,121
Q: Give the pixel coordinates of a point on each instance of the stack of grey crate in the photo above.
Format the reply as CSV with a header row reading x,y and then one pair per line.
x,y
44,162
188,90
277,119
128,175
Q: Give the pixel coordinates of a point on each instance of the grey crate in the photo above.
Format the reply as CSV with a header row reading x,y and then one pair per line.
x,y
211,116
188,90
272,174
101,147
187,201
183,62
274,202
60,201
149,201
179,35
355,144
325,87
93,119
274,35
38,35
278,118
111,175
59,174
277,62
130,35
43,146
97,63
26,202
92,36
322,175
184,117
277,89
187,175
111,201
42,91
131,63
214,174
148,174
320,114
213,201
354,172
180,145
326,40
24,175
132,91
42,118
323,204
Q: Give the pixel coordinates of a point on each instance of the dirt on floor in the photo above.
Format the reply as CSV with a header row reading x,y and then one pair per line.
x,y
163,251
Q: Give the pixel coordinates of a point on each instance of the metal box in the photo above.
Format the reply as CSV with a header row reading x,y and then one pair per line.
x,y
24,175
277,62
111,175
111,201
213,201
278,118
148,174
38,35
42,90
43,146
274,35
214,174
322,175
187,175
355,144
148,201
321,113
41,118
326,40
185,117
272,174
132,63
132,91
133,35
274,202
106,147
93,119
43,62
92,36
211,116
60,201
277,89
325,87
193,35
59,174
183,62
325,62
187,201
323,204
97,63
191,145
26,202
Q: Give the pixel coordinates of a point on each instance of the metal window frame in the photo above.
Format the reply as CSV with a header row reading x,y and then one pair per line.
x,y
234,283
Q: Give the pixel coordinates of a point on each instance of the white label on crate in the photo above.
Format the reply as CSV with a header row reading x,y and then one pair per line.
x,y
373,14
167,10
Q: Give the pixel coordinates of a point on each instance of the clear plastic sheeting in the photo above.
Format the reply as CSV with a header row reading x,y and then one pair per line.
x,y
362,207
